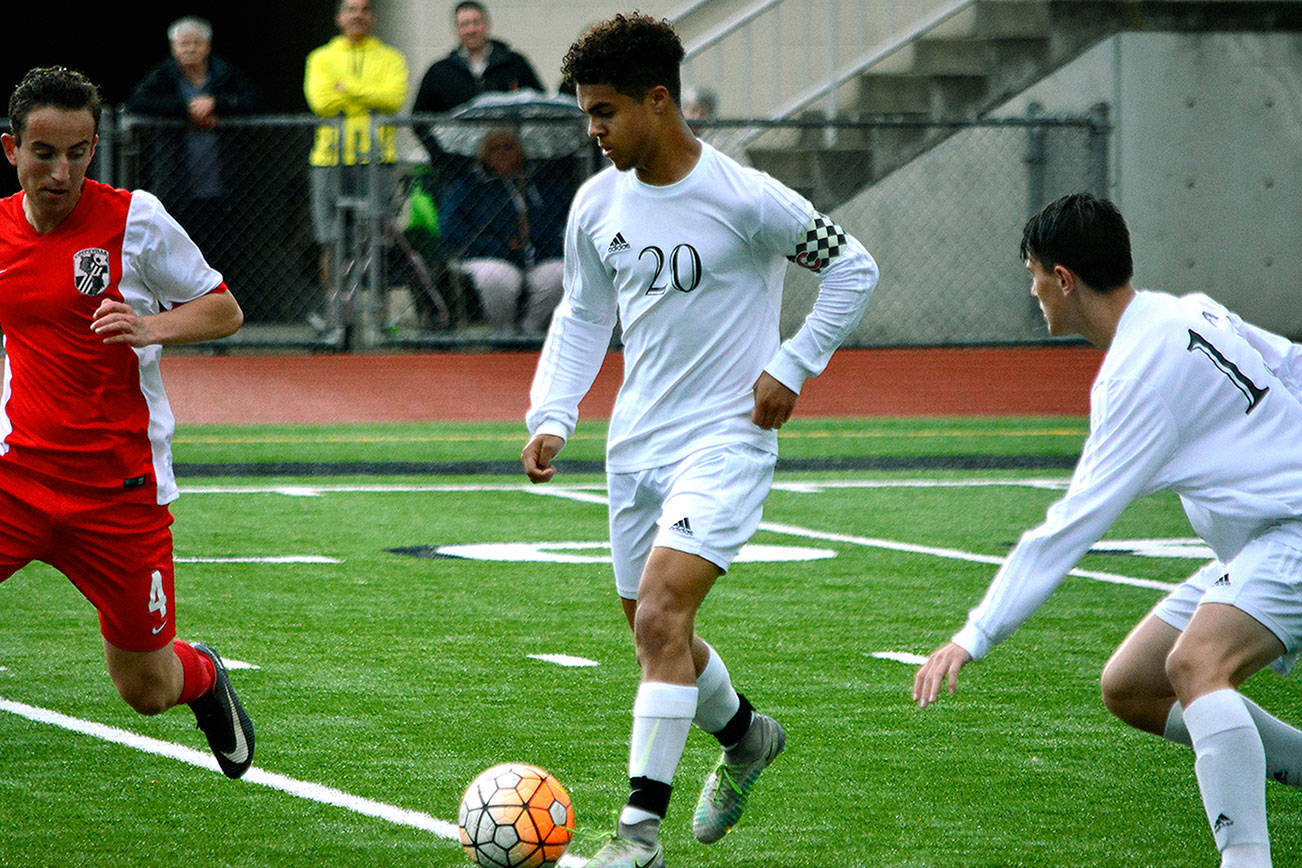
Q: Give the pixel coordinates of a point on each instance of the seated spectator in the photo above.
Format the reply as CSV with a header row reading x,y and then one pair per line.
x,y
506,228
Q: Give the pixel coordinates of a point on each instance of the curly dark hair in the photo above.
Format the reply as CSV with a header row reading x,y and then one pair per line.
x,y
1085,233
55,86
631,53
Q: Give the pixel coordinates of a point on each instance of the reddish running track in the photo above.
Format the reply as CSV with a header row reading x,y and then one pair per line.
x,y
1051,380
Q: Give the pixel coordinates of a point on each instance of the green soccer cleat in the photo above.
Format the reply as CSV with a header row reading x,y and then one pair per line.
x,y
723,798
623,853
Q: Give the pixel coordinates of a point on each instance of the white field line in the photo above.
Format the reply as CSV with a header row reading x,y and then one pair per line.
x,y
893,545
270,559
953,554
566,490
303,789
320,490
905,657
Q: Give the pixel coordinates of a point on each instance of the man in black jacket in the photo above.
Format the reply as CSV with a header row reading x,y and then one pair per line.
x,y
477,65
198,167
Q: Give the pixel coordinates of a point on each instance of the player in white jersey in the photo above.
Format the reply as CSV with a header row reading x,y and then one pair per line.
x,y
688,251
1193,400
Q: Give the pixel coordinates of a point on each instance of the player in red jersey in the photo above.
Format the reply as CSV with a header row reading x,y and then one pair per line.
x,y
93,282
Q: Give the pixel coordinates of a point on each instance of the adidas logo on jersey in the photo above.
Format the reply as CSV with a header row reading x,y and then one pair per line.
x,y
617,244
682,526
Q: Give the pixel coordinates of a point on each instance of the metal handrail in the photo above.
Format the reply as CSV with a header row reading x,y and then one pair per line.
x,y
873,56
838,74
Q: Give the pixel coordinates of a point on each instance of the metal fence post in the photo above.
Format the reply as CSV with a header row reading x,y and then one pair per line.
x,y
338,307
373,290
1099,131
1035,159
106,149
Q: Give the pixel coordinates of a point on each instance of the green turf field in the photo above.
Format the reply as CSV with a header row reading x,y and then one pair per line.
x,y
385,682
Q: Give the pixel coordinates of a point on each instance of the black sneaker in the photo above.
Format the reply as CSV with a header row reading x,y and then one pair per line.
x,y
222,719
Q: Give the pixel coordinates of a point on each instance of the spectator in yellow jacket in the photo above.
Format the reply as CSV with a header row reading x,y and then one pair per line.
x,y
354,75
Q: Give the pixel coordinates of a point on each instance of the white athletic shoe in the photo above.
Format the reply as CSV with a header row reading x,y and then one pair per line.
x,y
623,853
723,798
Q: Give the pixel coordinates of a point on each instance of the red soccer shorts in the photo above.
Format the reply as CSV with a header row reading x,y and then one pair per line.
x,y
117,550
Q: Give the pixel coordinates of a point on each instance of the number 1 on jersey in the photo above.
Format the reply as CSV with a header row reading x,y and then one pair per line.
x,y
1250,390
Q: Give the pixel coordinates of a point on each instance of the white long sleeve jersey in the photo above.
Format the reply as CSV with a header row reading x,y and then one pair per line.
x,y
694,272
1189,399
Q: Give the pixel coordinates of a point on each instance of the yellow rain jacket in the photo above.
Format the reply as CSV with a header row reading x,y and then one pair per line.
x,y
353,80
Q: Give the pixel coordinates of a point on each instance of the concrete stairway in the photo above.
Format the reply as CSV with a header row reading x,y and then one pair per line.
x,y
970,66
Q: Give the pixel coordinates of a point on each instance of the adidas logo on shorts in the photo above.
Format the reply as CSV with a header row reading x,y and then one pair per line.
x,y
682,526
1222,582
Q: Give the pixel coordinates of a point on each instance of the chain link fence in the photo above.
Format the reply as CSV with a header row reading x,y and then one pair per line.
x,y
435,250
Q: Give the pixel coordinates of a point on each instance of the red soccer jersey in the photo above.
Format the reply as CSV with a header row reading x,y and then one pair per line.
x,y
73,407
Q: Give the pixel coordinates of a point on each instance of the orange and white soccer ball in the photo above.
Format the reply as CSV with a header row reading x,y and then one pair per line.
x,y
515,816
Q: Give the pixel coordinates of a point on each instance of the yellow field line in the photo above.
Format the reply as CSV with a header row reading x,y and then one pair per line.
x,y
303,439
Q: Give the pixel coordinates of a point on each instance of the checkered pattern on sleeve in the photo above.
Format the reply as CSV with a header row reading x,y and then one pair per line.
x,y
822,243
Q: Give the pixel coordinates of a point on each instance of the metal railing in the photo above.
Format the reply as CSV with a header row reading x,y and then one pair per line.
x,y
835,41
939,204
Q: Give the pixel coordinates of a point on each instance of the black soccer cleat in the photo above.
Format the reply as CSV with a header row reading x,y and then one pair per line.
x,y
223,720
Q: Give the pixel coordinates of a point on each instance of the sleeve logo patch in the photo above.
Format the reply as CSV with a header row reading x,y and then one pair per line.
x,y
90,270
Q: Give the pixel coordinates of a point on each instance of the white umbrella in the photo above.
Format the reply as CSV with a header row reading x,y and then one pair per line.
x,y
547,126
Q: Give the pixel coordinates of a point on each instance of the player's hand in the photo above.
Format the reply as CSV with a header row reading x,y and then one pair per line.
x,y
773,402
537,457
942,665
117,323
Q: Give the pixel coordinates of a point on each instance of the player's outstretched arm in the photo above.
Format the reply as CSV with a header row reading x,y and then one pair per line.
x,y
941,666
537,457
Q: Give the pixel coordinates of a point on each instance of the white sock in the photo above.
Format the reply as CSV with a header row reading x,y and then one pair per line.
x,y
662,717
1282,743
1231,767
716,700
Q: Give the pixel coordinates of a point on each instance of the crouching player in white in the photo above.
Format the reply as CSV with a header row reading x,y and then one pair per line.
x,y
689,249
1193,400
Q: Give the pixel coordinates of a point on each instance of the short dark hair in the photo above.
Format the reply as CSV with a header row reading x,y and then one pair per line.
x,y
631,53
1086,234
55,86
469,4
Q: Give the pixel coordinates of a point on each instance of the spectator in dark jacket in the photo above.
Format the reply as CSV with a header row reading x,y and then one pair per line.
x,y
479,64
200,88
506,226
191,162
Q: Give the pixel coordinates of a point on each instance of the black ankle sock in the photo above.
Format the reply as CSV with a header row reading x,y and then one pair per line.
x,y
649,795
735,729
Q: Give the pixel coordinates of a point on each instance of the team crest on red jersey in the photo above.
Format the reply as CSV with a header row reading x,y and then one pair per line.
x,y
90,270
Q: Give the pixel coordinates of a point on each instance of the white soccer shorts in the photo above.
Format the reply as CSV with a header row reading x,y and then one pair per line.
x,y
708,504
1264,580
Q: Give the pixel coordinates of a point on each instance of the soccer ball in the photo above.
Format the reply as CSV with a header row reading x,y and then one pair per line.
x,y
515,816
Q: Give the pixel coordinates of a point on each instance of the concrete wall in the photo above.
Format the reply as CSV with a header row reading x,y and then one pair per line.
x,y
1206,159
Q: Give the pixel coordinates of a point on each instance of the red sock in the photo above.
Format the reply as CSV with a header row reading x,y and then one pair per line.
x,y
199,672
